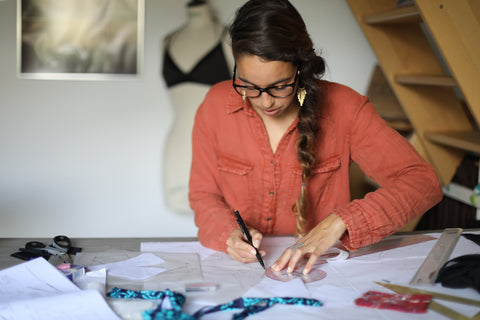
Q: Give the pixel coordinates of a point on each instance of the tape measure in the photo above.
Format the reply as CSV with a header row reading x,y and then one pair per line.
x,y
438,256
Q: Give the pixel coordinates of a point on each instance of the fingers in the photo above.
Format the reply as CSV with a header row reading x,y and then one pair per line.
x,y
297,255
309,265
256,238
282,261
289,257
242,251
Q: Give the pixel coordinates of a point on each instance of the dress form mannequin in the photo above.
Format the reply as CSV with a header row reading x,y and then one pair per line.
x,y
193,55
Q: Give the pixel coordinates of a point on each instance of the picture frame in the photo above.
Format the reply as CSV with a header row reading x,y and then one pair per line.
x,y
80,39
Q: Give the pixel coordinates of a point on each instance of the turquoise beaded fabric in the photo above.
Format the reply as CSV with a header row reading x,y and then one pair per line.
x,y
248,306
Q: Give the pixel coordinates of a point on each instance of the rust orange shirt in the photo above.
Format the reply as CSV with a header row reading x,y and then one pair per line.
x,y
233,167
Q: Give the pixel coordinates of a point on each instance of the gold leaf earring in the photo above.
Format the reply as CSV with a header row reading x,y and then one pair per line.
x,y
301,94
243,97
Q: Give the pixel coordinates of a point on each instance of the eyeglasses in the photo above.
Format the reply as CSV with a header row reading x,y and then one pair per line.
x,y
280,91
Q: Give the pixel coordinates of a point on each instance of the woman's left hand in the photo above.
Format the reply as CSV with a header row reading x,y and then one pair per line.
x,y
313,244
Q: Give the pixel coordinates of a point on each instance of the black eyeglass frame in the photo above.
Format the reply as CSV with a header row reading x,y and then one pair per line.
x,y
261,90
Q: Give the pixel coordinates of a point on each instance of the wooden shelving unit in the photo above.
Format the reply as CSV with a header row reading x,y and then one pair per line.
x,y
430,55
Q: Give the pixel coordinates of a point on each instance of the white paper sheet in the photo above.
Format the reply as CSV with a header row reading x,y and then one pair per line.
x,y
37,290
79,305
32,279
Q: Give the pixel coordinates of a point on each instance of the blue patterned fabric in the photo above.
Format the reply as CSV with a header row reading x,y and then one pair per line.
x,y
249,306
252,306
143,294
176,301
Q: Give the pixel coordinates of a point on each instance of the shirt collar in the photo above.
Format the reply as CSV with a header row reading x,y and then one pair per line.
x,y
235,103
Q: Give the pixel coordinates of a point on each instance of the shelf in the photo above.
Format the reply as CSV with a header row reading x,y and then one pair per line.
x,y
426,80
464,140
398,15
399,125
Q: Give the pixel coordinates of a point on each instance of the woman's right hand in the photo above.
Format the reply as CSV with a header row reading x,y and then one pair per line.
x,y
239,249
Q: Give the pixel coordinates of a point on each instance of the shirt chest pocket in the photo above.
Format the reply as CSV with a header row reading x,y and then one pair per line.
x,y
321,180
236,180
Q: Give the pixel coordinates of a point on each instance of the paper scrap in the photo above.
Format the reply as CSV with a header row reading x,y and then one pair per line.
x,y
96,280
137,268
177,247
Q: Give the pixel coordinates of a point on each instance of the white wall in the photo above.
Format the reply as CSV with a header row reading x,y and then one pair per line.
x,y
84,158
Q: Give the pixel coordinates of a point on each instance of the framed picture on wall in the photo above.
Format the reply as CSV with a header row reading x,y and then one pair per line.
x,y
80,39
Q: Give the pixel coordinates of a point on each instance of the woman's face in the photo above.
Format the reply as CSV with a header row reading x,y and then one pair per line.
x,y
253,71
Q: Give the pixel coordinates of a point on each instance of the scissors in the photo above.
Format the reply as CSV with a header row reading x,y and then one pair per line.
x,y
60,247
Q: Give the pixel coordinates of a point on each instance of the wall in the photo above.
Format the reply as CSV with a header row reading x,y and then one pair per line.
x,y
84,158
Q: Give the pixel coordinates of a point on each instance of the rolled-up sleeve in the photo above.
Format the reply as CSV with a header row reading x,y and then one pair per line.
x,y
408,186
213,216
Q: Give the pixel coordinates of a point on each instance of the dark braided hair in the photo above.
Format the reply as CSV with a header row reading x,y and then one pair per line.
x,y
275,31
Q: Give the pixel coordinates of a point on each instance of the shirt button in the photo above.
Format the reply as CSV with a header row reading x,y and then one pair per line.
x,y
269,218
271,162
271,193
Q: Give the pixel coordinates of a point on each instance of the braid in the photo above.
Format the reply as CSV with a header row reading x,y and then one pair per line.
x,y
307,130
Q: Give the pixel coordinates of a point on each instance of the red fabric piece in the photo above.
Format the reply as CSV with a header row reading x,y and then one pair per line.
x,y
413,303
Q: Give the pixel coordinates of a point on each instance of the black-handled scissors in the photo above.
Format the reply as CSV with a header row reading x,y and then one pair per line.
x,y
60,247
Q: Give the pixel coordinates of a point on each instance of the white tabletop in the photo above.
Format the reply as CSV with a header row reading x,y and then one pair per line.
x,y
345,280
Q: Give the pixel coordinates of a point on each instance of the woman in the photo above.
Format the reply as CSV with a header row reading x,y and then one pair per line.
x,y
277,146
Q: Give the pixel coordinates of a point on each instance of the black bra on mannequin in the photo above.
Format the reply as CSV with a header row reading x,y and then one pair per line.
x,y
210,69
194,3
